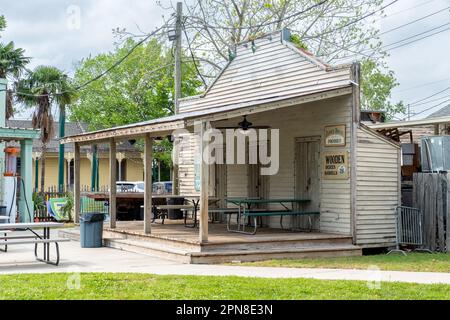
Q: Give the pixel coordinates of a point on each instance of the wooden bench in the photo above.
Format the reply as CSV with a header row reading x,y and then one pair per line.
x,y
266,213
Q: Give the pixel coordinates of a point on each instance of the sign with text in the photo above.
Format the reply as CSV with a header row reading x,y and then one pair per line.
x,y
335,165
335,136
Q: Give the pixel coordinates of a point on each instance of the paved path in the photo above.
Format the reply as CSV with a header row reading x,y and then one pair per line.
x,y
20,259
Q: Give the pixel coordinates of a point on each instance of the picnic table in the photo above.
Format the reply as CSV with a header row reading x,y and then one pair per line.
x,y
245,208
9,237
194,199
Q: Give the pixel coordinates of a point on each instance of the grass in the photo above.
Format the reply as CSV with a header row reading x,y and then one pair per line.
x,y
143,286
424,262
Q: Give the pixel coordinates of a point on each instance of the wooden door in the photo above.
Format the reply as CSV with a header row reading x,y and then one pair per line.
x,y
307,178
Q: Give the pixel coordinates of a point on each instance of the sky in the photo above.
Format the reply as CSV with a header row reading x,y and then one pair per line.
x,y
62,32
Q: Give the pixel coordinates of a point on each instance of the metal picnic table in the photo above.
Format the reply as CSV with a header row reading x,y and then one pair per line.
x,y
8,238
244,209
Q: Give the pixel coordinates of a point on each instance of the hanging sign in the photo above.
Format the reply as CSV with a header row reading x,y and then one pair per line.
x,y
335,165
335,136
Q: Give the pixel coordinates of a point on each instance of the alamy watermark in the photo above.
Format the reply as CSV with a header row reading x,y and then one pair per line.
x,y
73,21
232,146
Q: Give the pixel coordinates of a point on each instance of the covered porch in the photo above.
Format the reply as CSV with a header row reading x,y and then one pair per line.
x,y
281,185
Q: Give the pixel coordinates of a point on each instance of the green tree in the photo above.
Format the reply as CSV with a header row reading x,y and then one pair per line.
x,y
377,82
2,23
12,64
42,87
334,30
139,89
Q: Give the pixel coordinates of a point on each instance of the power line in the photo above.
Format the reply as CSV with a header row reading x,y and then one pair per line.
x,y
193,57
408,9
414,21
427,36
421,85
267,23
371,51
431,96
105,72
354,21
429,101
432,107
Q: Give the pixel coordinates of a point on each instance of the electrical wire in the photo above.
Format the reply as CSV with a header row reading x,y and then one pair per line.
x,y
192,56
353,22
414,21
105,72
432,107
421,85
263,24
385,47
431,96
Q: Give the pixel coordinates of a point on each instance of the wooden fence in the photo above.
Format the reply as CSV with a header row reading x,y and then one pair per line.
x,y
431,195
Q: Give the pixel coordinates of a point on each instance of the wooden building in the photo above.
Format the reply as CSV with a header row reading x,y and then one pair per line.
x,y
349,171
129,160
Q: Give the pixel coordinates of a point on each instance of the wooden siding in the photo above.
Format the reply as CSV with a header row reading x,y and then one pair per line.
x,y
186,170
275,69
377,189
298,121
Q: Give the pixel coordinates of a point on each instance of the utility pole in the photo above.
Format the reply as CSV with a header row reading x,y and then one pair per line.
x,y
178,55
177,80
409,112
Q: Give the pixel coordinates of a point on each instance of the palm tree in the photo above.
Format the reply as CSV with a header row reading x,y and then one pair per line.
x,y
12,63
44,86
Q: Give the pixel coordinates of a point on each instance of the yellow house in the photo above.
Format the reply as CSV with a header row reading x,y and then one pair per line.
x,y
129,160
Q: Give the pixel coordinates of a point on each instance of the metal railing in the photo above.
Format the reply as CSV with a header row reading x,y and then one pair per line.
x,y
409,227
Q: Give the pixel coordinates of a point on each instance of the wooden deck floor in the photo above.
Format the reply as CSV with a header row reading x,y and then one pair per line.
x,y
218,234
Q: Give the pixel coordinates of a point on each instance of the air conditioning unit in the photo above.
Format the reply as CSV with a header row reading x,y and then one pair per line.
x,y
435,153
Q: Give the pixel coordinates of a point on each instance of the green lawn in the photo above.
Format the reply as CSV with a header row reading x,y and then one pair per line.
x,y
143,286
426,262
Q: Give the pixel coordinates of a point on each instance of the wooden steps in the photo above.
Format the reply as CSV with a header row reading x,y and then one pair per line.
x,y
314,246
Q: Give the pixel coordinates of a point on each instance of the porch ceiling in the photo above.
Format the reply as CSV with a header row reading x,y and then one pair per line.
x,y
166,125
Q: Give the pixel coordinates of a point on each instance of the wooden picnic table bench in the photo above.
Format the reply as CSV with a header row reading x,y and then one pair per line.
x,y
10,238
244,210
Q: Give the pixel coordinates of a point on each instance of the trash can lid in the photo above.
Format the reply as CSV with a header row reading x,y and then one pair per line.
x,y
92,217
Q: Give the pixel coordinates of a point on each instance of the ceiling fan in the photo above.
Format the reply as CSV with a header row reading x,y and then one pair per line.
x,y
244,125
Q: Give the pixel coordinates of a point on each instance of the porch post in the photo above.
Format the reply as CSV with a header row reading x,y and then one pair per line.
x,y
148,154
112,183
204,186
76,183
26,192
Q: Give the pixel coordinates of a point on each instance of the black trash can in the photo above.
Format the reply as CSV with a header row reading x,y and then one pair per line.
x,y
175,214
91,229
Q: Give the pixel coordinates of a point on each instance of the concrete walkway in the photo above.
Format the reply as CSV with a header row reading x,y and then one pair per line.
x,y
20,259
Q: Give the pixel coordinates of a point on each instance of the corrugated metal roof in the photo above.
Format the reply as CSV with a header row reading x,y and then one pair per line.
x,y
277,69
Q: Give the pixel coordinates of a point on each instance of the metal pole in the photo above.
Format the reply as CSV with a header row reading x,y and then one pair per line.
x,y
36,174
94,169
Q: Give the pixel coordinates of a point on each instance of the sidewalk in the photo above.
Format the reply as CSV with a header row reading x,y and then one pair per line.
x,y
20,259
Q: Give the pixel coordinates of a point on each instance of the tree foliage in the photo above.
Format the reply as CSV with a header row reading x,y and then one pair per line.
x,y
377,82
2,23
334,30
42,87
139,89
